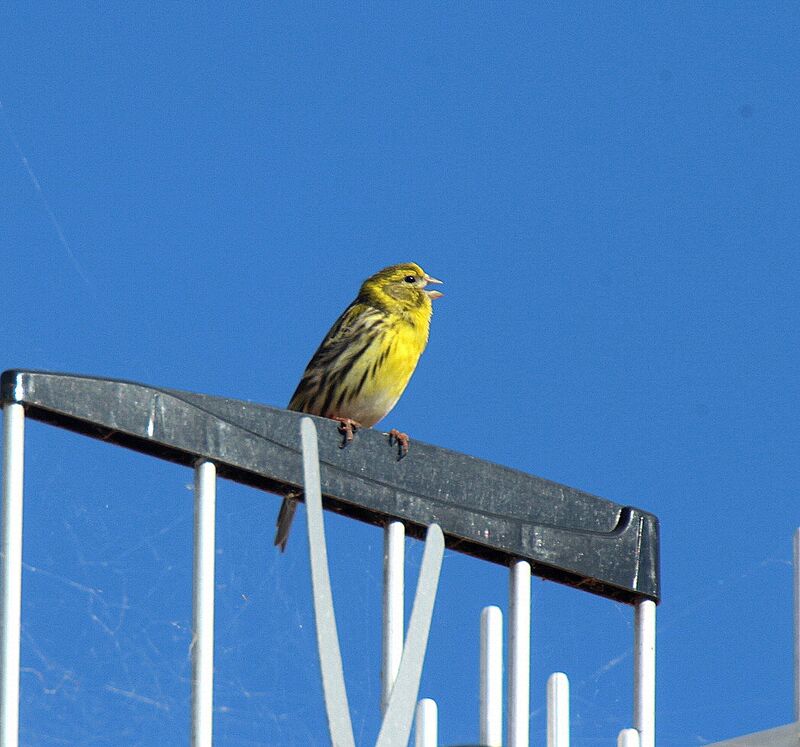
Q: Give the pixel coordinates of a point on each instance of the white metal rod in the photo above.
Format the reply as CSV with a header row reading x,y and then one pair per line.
x,y
558,710
11,572
399,717
628,738
426,732
644,671
519,654
393,612
796,554
205,475
491,704
330,654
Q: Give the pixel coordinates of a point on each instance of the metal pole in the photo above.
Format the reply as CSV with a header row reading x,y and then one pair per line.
x,y
491,705
397,721
644,671
393,598
427,723
796,553
205,475
11,572
519,654
628,738
558,710
330,654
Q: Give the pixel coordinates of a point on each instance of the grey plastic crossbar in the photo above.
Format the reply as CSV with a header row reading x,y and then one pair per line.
x,y
492,512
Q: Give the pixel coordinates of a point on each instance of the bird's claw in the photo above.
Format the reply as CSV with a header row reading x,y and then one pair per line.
x,y
347,427
401,439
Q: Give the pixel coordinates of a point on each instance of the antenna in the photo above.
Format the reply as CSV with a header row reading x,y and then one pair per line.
x,y
531,525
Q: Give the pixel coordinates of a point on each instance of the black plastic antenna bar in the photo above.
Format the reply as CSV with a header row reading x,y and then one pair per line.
x,y
484,509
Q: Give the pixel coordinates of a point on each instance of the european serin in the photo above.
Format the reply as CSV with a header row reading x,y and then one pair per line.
x,y
366,360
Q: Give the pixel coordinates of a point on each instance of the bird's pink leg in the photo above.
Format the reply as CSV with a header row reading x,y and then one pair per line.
x,y
347,427
401,439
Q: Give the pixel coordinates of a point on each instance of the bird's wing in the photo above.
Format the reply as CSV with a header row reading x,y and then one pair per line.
x,y
347,340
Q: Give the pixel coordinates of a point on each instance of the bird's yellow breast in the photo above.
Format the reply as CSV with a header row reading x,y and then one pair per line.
x,y
388,366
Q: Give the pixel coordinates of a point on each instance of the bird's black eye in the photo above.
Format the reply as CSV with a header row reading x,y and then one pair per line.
x,y
410,278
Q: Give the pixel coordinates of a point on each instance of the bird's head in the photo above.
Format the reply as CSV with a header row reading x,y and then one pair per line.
x,y
400,284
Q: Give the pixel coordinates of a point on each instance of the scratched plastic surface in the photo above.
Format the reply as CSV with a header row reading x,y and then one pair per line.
x,y
484,509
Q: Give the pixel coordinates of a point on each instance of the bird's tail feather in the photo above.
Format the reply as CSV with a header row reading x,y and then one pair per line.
x,y
284,522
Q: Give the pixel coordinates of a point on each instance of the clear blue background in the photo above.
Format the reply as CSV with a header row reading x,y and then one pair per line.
x,y
191,194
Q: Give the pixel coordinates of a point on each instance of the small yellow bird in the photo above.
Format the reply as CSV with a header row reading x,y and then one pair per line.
x,y
366,360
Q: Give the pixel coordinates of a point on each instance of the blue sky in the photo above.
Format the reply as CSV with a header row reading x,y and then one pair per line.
x,y
192,193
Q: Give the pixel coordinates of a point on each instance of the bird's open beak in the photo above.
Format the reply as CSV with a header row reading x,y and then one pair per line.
x,y
432,293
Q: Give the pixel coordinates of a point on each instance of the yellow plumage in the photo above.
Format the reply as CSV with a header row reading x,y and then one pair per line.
x,y
365,361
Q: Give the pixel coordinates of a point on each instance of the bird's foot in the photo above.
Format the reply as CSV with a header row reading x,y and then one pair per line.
x,y
347,427
401,439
